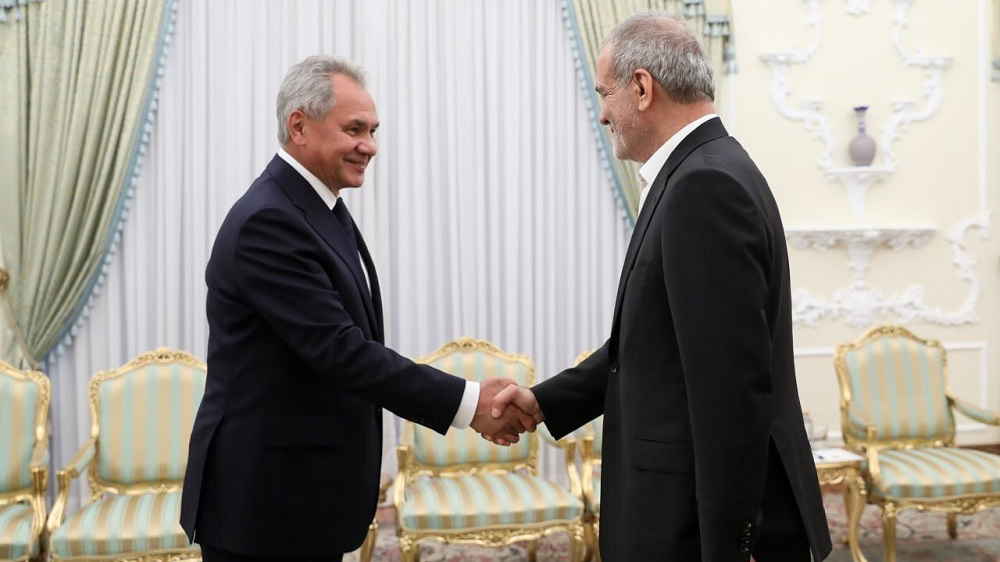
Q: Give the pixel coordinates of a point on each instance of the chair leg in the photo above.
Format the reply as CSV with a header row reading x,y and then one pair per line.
x,y
533,550
889,531
578,543
589,540
368,547
953,525
409,550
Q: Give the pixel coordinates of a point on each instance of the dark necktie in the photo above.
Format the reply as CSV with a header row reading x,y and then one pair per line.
x,y
344,218
361,254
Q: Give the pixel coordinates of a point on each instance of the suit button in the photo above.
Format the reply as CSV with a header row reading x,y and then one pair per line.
x,y
614,368
747,526
744,549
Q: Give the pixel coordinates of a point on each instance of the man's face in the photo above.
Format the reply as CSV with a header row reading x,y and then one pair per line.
x,y
339,147
619,110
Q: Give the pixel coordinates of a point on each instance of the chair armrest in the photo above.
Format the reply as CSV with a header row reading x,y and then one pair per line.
x,y
856,419
974,412
65,478
39,467
568,445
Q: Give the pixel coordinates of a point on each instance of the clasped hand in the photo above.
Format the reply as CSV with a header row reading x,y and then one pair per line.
x,y
501,424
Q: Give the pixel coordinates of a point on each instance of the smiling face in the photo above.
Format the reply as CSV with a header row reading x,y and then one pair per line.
x,y
338,148
619,110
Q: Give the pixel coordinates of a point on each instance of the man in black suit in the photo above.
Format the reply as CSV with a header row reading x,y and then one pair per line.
x,y
286,446
705,452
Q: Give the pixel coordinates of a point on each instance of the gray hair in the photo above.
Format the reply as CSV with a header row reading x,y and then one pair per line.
x,y
307,87
664,46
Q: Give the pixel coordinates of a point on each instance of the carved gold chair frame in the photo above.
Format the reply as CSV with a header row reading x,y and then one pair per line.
x,y
34,494
83,460
495,536
870,443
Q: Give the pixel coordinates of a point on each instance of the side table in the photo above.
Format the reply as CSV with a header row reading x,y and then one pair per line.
x,y
840,466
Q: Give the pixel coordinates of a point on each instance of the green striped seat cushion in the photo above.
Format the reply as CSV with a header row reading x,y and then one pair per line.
x,y
486,500
121,524
937,472
19,404
898,385
466,447
145,418
17,541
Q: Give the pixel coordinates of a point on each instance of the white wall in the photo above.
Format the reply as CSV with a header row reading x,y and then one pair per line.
x,y
942,178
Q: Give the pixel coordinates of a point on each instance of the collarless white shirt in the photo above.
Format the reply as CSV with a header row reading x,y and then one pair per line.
x,y
648,172
470,398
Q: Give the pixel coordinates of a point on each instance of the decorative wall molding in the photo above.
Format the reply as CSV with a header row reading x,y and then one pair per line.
x,y
858,7
860,304
809,112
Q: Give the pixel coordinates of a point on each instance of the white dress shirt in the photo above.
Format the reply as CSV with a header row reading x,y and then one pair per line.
x,y
470,398
648,172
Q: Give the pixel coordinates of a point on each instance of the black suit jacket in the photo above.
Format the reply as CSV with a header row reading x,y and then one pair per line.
x,y
286,447
703,430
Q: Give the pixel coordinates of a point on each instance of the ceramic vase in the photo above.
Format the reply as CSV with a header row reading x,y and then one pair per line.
x,y
862,148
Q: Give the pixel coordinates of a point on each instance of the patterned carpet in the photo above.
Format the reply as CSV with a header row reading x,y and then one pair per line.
x,y
921,537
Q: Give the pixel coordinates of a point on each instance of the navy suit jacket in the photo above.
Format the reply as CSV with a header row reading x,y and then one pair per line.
x,y
286,446
704,445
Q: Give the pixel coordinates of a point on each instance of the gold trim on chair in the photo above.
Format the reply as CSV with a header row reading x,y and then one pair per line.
x,y
458,473
882,453
34,492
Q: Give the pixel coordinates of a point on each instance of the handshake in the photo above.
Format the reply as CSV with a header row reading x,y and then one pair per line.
x,y
505,411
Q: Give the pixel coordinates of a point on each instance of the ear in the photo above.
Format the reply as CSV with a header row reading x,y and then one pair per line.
x,y
296,127
642,85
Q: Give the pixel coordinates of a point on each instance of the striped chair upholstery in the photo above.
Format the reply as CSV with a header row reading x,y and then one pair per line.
x,y
142,414
24,409
896,407
461,488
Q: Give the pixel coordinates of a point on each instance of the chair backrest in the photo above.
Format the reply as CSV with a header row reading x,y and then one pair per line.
x,y
464,450
24,409
142,417
894,381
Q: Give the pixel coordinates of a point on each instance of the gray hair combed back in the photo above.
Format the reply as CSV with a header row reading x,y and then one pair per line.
x,y
307,87
663,45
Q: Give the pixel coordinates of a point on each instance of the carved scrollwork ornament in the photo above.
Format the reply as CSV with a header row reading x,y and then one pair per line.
x,y
4,279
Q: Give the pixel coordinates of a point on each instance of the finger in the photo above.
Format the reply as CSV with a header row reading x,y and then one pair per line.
x,y
503,398
528,422
511,438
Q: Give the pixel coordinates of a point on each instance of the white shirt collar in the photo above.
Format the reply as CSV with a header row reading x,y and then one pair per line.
x,y
321,189
648,172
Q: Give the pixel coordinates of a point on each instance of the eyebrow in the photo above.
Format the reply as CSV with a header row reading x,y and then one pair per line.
x,y
362,123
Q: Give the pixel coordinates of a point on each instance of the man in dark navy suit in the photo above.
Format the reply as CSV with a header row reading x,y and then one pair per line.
x,y
705,454
286,447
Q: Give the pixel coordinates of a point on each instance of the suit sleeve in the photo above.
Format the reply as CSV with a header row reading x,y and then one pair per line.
x,y
576,395
716,262
276,260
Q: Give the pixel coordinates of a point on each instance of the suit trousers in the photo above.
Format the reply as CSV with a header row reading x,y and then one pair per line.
x,y
212,554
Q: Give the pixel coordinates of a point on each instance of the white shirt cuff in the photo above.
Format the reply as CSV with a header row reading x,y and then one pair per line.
x,y
467,408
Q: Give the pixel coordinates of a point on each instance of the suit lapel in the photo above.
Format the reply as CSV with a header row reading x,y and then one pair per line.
x,y
707,131
322,220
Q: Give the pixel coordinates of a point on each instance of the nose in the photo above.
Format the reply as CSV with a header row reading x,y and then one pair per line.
x,y
368,147
603,117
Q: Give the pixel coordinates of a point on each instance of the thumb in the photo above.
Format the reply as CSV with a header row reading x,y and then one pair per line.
x,y
503,398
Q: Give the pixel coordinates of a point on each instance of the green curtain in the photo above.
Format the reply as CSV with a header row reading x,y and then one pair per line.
x,y
589,21
78,88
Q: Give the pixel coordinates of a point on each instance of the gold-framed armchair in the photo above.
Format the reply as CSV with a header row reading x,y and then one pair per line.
x,y
141,419
459,488
24,460
896,407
